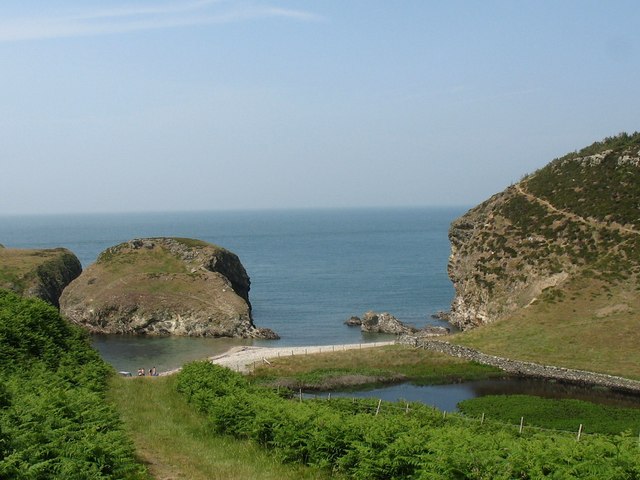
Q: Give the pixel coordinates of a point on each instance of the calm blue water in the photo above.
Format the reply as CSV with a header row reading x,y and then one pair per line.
x,y
447,397
310,269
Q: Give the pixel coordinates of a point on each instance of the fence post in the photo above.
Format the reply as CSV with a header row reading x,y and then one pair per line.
x,y
579,433
378,409
329,396
482,419
407,409
444,414
300,394
521,424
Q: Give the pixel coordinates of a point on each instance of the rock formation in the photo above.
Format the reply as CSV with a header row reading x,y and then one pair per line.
x,y
373,322
42,273
161,286
576,218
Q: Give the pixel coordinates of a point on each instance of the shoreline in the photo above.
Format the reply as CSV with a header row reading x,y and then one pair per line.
x,y
243,359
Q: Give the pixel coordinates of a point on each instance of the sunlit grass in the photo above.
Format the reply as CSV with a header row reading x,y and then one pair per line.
x,y
572,333
174,441
390,362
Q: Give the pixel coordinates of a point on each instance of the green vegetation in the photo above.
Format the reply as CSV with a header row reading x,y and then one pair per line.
x,y
175,441
558,414
133,262
607,189
22,268
54,422
370,366
350,438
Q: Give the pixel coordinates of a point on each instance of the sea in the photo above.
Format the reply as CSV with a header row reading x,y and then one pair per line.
x,y
310,270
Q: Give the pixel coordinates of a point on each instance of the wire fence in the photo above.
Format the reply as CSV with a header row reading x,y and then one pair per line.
x,y
380,407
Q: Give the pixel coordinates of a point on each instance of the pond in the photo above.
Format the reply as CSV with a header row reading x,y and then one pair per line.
x,y
447,397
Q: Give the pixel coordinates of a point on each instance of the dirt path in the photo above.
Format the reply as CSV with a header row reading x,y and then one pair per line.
x,y
577,218
243,359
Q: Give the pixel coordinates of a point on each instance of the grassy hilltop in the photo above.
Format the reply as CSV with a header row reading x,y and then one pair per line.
x,y
41,273
551,266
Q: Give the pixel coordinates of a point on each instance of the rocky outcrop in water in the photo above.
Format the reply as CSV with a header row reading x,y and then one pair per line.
x,y
160,286
374,322
41,273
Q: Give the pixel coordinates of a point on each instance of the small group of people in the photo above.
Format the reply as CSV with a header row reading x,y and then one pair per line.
x,y
151,373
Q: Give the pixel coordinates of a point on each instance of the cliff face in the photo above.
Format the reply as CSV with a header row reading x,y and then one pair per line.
x,y
160,286
576,218
38,273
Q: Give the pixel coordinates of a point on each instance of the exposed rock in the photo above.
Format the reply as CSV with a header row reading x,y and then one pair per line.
x,y
353,321
160,286
573,220
38,273
373,322
441,315
432,331
612,309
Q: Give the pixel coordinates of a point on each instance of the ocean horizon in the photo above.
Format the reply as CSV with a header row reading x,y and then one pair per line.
x,y
310,270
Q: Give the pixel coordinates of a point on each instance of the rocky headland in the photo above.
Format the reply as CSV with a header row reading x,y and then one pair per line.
x,y
570,231
162,286
39,273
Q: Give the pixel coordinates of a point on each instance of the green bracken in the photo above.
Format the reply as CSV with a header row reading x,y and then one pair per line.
x,y
364,439
54,420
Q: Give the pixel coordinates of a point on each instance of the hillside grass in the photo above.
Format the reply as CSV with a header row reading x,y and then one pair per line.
x,y
18,266
155,260
587,325
343,369
175,441
558,414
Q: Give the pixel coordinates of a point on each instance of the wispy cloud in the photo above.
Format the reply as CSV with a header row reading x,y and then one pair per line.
x,y
132,17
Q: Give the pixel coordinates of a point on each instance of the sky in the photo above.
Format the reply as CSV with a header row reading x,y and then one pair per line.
x,y
143,105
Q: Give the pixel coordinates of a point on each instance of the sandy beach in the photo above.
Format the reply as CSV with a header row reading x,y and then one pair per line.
x,y
243,359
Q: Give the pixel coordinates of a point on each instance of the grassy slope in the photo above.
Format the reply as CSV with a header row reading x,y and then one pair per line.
x,y
18,265
335,370
145,271
170,437
570,332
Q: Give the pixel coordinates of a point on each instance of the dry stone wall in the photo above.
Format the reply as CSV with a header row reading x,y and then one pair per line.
x,y
526,369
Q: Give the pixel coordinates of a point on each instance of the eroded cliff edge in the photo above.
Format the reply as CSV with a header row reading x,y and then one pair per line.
x,y
575,219
40,273
160,286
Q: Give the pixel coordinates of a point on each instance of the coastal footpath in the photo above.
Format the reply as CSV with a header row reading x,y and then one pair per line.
x,y
525,369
